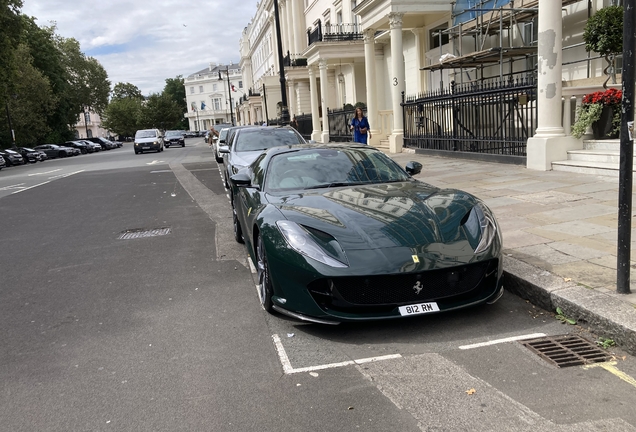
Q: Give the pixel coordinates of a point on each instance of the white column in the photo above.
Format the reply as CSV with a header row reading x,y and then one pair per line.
x,y
549,143
298,24
291,97
303,104
372,97
324,92
397,82
419,41
288,24
315,116
549,83
282,10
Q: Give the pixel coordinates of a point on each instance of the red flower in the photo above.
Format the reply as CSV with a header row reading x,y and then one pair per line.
x,y
608,97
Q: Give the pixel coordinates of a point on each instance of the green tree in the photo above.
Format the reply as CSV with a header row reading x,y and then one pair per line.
x,y
176,91
121,116
161,112
10,29
126,90
33,102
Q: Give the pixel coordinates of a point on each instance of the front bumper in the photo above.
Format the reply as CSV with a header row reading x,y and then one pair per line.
x,y
315,292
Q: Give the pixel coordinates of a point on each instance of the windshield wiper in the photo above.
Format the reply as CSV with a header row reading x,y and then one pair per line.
x,y
335,184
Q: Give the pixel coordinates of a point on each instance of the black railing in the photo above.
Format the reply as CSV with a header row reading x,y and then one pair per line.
x,y
251,92
287,60
334,32
341,32
495,117
304,125
314,35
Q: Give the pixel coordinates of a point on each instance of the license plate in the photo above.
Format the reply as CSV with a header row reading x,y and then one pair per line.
x,y
419,308
145,148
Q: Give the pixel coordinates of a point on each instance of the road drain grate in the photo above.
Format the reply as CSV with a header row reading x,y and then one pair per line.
x,y
567,350
143,232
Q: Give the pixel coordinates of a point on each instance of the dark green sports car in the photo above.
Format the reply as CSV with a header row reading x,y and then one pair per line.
x,y
343,233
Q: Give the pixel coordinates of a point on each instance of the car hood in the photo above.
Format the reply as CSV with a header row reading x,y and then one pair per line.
x,y
408,214
245,158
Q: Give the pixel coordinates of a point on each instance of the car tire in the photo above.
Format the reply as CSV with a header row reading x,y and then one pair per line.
x,y
62,154
225,180
238,231
183,145
264,277
136,152
167,145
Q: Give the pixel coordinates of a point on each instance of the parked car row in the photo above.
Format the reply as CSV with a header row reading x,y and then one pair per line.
x,y
341,232
42,152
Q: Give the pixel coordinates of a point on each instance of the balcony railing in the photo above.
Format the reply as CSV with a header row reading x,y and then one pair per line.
x,y
341,32
334,33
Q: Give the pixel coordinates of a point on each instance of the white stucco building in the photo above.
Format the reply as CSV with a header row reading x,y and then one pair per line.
x,y
89,124
347,52
211,99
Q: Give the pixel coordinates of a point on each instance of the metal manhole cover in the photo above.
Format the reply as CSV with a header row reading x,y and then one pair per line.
x,y
143,232
567,350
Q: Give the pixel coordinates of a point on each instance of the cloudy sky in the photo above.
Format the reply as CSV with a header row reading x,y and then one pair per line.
x,y
144,42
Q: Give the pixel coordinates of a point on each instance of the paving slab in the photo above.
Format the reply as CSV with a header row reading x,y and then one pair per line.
x,y
559,237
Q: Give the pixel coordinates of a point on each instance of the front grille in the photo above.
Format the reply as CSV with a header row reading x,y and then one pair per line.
x,y
432,285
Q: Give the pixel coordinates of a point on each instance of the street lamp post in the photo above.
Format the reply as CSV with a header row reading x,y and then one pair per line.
x,y
229,92
284,113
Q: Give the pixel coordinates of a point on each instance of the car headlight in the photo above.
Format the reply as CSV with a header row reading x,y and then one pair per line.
x,y
306,243
481,227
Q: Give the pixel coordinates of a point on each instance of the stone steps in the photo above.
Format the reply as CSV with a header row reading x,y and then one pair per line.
x,y
598,157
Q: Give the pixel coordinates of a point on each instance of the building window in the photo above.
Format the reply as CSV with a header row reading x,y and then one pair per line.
x,y
433,36
214,87
200,89
191,90
240,84
217,104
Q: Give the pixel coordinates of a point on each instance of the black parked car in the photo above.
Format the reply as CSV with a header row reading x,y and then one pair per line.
x,y
54,151
83,148
31,156
174,138
12,157
2,162
106,145
96,147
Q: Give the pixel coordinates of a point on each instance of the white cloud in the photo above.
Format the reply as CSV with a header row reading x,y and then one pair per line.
x,y
145,42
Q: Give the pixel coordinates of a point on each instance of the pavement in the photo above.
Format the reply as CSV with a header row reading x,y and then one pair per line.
x,y
559,235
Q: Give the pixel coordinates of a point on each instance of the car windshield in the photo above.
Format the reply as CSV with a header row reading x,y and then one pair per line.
x,y
11,152
145,134
173,133
263,139
322,168
28,149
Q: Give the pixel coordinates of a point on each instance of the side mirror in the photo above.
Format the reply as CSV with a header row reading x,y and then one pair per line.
x,y
224,149
221,141
413,168
241,179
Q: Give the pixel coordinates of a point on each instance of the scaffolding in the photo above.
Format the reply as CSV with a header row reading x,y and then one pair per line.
x,y
488,22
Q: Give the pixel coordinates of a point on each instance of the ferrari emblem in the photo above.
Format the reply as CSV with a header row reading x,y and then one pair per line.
x,y
249,210
418,287
415,258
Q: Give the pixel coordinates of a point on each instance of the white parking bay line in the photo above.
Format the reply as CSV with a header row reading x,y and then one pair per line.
x,y
288,369
30,187
160,171
59,176
504,340
46,172
16,186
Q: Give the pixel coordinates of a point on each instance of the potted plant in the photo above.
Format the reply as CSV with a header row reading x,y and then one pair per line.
x,y
602,111
603,34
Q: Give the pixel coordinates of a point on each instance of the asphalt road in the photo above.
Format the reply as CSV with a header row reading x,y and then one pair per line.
x,y
165,333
